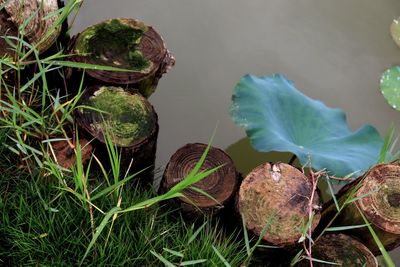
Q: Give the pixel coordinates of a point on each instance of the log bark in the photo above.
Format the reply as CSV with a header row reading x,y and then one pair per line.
x,y
129,119
379,200
221,185
125,44
342,250
41,14
279,194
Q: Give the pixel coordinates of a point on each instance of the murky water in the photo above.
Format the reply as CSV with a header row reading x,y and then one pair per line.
x,y
335,51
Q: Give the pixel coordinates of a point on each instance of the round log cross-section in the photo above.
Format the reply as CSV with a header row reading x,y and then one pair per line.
x,y
129,120
341,250
220,185
126,44
379,200
278,194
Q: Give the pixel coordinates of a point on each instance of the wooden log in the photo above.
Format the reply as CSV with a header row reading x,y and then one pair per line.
x,y
125,44
279,194
379,200
342,250
129,119
65,155
42,15
220,185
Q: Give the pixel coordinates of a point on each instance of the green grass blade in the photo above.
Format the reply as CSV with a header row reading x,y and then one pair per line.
x,y
344,228
99,229
192,262
224,261
385,254
196,233
162,259
173,252
328,181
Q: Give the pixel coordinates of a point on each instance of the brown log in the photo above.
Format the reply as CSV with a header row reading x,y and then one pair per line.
x,y
65,154
125,44
342,250
278,193
129,119
42,15
221,185
379,193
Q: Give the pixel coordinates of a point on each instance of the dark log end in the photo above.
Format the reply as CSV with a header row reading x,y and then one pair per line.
x,y
279,194
220,185
381,201
342,250
65,154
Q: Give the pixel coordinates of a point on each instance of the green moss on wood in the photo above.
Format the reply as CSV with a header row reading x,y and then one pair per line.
x,y
127,117
113,43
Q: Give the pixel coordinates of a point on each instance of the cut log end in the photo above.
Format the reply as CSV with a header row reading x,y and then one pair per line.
x,y
128,118
220,185
65,154
279,194
342,250
381,197
42,15
126,44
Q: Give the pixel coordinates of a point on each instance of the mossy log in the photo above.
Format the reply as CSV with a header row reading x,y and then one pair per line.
x,y
126,44
220,185
279,194
128,119
342,250
378,198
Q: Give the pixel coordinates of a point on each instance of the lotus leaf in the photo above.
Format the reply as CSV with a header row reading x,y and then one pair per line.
x,y
278,117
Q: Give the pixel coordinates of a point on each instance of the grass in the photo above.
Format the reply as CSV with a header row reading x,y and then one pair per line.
x,y
40,226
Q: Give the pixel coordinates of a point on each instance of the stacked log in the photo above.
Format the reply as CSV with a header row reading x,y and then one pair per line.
x,y
128,119
341,250
377,195
220,186
278,195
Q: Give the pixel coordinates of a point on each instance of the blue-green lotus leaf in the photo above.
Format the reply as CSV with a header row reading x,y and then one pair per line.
x,y
278,117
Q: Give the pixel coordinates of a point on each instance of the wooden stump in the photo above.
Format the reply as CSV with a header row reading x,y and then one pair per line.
x,y
42,16
129,119
279,194
342,250
221,185
125,44
379,193
65,154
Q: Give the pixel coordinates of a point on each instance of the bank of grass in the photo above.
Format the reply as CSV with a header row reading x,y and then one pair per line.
x,y
43,226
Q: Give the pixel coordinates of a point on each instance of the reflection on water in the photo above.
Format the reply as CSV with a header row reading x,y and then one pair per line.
x,y
246,158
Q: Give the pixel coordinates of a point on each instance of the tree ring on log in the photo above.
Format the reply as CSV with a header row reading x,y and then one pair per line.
x,y
380,202
221,185
129,118
126,44
279,194
342,250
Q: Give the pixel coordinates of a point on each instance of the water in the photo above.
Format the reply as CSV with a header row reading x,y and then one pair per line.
x,y
334,51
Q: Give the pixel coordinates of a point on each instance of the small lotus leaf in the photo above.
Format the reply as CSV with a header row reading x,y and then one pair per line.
x,y
277,117
390,86
395,30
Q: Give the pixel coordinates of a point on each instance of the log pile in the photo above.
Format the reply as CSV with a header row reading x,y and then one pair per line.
x,y
275,201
